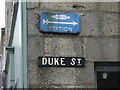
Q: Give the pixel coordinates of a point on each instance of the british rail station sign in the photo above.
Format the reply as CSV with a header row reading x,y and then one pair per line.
x,y
61,62
60,22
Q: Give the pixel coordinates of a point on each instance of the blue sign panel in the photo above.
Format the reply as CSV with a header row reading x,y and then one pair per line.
x,y
60,22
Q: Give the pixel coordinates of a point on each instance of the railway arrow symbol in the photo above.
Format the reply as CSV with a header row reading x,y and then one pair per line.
x,y
47,22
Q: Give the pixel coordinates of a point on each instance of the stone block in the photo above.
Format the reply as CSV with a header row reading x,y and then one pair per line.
x,y
33,65
57,75
99,24
101,49
69,6
32,72
109,6
109,24
63,46
81,6
89,24
85,75
33,22
35,47
32,5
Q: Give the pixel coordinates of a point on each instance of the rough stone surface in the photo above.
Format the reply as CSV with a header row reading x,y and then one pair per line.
x,y
35,47
108,24
57,75
32,5
33,22
81,6
63,46
89,24
101,49
86,75
99,24
69,6
108,6
32,72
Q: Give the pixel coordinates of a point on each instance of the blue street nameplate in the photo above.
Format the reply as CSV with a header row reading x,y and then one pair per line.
x,y
60,22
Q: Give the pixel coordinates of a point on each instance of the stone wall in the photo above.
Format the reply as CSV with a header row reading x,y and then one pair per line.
x,y
97,41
